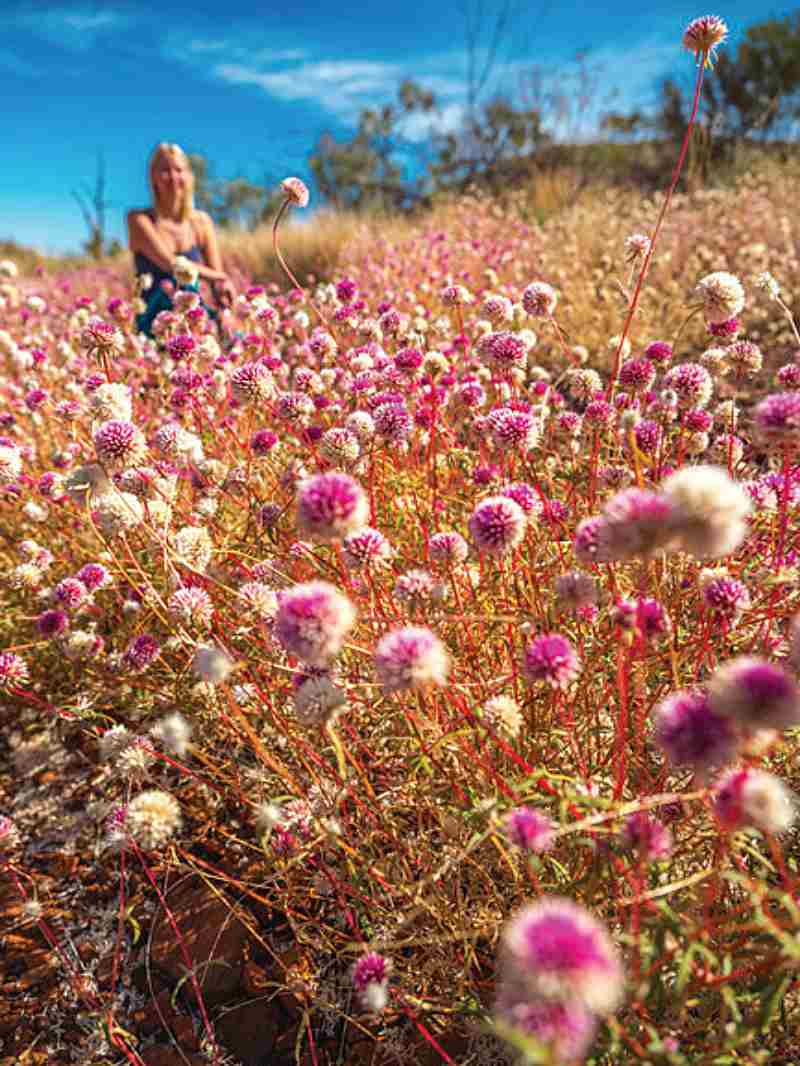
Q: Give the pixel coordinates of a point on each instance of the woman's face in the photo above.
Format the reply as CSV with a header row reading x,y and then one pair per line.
x,y
169,176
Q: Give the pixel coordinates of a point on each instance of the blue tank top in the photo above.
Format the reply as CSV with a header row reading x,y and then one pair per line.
x,y
143,265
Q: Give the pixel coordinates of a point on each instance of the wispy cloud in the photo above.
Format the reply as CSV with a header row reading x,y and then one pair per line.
x,y
341,87
76,29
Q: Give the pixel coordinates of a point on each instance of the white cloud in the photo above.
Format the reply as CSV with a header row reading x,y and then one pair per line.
x,y
76,29
342,87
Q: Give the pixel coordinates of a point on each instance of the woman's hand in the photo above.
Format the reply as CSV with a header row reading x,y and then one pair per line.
x,y
223,289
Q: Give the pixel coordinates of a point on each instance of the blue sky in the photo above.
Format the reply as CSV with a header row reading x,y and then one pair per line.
x,y
252,86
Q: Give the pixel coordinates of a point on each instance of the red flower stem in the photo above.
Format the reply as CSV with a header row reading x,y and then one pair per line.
x,y
667,200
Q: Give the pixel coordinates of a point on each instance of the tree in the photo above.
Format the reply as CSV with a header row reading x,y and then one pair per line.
x,y
93,204
756,89
232,201
365,172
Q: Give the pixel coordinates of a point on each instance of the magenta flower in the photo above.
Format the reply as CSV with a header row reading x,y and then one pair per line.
x,y
565,1027
411,658
329,506
552,659
448,549
539,299
141,652
755,694
503,351
120,444
497,525
659,352
52,623
648,836
313,621
13,671
726,597
750,797
555,949
777,421
529,829
366,549
636,522
70,593
691,733
370,977
295,191
586,540
93,576
637,374
262,442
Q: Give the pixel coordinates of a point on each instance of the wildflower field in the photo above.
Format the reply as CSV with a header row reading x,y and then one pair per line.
x,y
405,671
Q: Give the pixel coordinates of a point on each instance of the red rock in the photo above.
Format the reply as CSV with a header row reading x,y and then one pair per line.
x,y
167,1055
213,938
254,1031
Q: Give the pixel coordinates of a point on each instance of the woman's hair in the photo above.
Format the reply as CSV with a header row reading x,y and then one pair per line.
x,y
173,151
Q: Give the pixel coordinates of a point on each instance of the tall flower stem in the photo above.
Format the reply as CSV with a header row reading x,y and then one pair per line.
x,y
288,272
662,213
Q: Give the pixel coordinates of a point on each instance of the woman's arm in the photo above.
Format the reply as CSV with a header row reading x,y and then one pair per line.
x,y
223,289
144,237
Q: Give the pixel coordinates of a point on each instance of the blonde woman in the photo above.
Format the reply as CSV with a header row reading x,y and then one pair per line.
x,y
172,227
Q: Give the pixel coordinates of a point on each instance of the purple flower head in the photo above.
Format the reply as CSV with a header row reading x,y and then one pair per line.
x,y
393,422
777,421
370,977
408,360
503,351
366,549
514,430
525,496
552,659
346,290
652,619
13,671
659,352
647,435
529,829
497,525
750,797
648,836
448,549
691,733
698,421
52,623
411,658
565,1027
726,597
181,347
70,593
485,475
755,694
635,523
93,576
555,949
262,442
141,652
691,382
637,374
727,329
585,542
539,299
329,506
789,376
313,621
598,413
120,444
